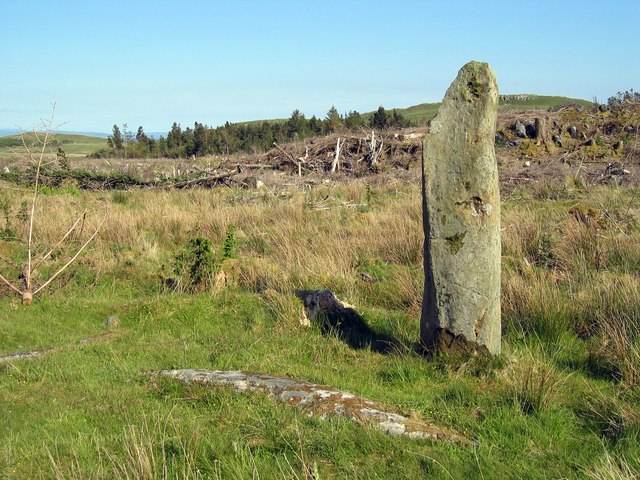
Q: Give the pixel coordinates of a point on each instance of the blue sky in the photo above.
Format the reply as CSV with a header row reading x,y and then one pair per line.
x,y
151,63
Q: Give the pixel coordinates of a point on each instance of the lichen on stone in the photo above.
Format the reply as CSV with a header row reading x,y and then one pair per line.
x,y
319,400
456,242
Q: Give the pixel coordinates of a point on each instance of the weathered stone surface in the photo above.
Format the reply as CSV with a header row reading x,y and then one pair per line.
x,y
461,205
319,400
520,129
573,131
341,319
24,355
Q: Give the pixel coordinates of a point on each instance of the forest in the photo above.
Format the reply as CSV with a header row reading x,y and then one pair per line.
x,y
249,137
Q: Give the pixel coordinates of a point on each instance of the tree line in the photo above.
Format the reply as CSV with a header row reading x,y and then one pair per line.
x,y
621,97
241,137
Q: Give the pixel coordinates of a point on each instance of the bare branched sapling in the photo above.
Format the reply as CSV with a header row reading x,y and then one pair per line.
x,y
25,287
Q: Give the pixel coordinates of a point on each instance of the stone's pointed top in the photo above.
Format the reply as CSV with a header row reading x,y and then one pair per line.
x,y
478,74
476,84
477,67
471,99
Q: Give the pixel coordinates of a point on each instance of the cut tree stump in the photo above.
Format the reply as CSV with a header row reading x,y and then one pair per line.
x,y
318,400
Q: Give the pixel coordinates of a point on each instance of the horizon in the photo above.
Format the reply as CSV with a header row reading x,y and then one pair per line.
x,y
4,132
248,60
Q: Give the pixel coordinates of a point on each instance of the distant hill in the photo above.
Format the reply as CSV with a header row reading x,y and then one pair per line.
x,y
74,145
427,111
82,144
423,112
6,132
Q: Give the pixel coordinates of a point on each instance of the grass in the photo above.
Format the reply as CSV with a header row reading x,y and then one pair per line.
x,y
561,402
424,112
73,145
539,102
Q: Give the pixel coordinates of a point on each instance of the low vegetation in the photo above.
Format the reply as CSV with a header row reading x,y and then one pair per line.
x,y
562,400
206,278
71,145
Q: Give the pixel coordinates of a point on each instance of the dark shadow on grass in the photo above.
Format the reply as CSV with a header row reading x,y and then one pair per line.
x,y
323,308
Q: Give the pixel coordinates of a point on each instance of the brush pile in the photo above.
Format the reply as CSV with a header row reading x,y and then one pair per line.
x,y
352,155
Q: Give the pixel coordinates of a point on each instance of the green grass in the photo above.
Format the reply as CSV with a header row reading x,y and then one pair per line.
x,y
72,144
539,102
424,112
539,411
88,405
420,114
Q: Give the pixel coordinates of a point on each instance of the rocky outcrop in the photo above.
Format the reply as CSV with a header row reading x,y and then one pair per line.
x,y
461,205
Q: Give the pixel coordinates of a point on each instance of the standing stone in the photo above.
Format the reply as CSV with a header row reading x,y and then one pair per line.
x,y
461,219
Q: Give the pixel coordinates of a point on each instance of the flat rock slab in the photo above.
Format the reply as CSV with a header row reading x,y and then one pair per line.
x,y
24,355
318,400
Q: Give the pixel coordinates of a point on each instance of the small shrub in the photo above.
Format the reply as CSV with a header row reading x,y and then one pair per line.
x,y
7,232
194,266
63,161
229,245
368,195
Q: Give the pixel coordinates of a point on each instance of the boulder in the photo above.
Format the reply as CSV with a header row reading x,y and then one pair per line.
x,y
111,322
520,129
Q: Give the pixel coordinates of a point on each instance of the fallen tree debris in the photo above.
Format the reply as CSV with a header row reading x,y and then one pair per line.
x,y
206,181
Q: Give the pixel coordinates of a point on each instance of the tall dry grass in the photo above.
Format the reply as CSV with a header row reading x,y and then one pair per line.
x,y
568,265
295,243
575,267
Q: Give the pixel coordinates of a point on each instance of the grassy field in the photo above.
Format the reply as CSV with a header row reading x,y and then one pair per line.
x,y
562,401
420,114
526,102
73,145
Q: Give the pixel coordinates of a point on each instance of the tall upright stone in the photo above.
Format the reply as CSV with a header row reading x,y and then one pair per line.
x,y
461,219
